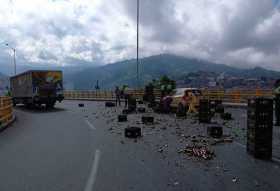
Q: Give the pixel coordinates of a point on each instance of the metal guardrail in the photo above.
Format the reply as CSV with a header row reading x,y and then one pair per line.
x,y
237,96
98,95
6,111
102,95
231,96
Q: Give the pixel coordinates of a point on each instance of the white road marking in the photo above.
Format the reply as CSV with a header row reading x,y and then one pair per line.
x,y
93,172
90,124
244,146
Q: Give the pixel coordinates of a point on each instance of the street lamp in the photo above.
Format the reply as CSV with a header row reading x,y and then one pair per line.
x,y
138,43
14,50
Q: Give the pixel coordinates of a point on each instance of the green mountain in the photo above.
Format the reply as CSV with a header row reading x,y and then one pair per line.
x,y
153,67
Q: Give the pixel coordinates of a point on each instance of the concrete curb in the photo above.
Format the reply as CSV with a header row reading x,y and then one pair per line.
x,y
6,125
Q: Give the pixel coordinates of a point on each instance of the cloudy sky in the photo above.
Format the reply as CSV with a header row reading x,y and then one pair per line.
x,y
242,33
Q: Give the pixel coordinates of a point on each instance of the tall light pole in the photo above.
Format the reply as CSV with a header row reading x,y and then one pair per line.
x,y
138,43
14,51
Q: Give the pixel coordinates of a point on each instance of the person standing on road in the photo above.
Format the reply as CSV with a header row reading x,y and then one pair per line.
x,y
192,103
125,95
162,90
169,88
185,100
166,101
118,95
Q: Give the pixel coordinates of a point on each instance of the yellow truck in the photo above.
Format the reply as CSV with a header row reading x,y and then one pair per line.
x,y
37,87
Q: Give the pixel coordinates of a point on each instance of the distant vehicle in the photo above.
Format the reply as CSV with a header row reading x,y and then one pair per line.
x,y
180,92
37,87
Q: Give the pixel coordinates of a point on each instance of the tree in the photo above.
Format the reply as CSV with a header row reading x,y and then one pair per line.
x,y
164,83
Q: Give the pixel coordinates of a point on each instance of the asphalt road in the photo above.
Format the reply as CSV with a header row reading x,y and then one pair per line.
x,y
83,149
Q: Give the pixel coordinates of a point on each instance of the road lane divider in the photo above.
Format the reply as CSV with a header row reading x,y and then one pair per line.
x,y
93,172
91,126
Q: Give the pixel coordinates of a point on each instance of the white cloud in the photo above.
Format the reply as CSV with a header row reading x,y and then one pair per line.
x,y
62,32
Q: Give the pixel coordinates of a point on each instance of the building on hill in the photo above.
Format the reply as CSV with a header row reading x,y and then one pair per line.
x,y
213,80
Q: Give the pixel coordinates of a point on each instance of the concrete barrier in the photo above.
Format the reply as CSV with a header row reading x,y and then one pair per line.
x,y
6,112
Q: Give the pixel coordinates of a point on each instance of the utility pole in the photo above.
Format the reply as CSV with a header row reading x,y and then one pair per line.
x,y
138,83
15,64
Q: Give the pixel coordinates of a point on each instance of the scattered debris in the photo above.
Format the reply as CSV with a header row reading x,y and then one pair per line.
x,y
160,150
222,140
176,183
194,139
234,180
81,105
198,151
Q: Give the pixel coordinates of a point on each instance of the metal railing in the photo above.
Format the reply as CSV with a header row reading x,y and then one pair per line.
x,y
6,111
95,95
236,96
102,95
231,96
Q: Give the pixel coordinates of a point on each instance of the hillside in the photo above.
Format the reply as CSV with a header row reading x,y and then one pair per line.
x,y
151,68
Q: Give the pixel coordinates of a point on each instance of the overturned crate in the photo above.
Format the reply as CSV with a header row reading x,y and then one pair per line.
x,y
122,118
204,113
132,132
147,119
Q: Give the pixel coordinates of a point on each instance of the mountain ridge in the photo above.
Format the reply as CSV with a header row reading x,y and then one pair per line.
x,y
154,67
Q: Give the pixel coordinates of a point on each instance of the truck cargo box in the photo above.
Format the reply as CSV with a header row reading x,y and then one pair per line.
x,y
37,86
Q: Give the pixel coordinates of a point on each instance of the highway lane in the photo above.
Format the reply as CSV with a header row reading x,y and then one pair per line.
x,y
46,151
82,149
